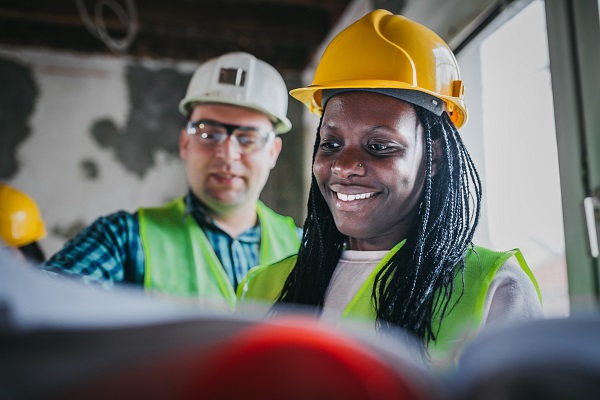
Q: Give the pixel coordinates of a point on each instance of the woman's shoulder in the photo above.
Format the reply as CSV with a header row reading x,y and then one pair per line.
x,y
488,252
490,260
501,266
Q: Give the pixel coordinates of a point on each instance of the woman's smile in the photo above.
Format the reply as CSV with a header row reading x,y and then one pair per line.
x,y
369,165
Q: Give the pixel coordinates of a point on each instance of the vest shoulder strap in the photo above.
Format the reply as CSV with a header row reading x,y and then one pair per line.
x,y
179,258
279,238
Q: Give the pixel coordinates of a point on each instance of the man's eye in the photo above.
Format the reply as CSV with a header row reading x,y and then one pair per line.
x,y
212,135
246,138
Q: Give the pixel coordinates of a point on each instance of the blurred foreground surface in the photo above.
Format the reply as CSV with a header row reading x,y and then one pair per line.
x,y
60,339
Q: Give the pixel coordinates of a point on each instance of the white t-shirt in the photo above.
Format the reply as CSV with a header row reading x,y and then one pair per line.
x,y
512,297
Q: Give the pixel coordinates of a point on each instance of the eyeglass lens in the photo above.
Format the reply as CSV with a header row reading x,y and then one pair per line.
x,y
211,133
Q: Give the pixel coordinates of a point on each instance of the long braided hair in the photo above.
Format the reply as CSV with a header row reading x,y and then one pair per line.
x,y
417,282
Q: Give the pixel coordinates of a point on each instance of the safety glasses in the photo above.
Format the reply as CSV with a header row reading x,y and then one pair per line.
x,y
211,133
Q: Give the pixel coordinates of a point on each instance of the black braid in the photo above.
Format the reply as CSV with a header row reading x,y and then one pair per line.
x,y
417,282
320,249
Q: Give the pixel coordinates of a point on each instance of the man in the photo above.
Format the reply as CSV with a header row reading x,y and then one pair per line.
x,y
21,224
200,246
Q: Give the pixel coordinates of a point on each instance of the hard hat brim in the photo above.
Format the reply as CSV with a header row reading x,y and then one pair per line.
x,y
311,96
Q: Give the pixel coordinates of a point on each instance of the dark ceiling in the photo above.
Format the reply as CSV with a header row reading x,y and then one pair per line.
x,y
284,33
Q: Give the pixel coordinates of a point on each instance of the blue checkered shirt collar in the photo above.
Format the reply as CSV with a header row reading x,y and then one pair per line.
x,y
194,207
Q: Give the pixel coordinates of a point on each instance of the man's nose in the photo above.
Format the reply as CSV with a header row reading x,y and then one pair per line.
x,y
229,149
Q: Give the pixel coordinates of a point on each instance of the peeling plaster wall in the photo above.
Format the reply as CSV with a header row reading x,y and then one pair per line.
x,y
101,135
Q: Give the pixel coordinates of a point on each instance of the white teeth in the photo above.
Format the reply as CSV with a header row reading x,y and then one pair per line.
x,y
351,197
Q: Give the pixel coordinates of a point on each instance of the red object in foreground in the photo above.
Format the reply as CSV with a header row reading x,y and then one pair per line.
x,y
294,358
296,362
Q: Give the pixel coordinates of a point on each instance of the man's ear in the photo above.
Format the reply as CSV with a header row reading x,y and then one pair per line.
x,y
437,158
183,143
275,150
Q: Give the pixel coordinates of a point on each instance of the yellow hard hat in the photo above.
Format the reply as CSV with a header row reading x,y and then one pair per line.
x,y
386,51
20,218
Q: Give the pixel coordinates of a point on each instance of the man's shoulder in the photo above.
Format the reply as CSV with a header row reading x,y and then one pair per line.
x,y
177,202
174,210
120,214
119,218
100,252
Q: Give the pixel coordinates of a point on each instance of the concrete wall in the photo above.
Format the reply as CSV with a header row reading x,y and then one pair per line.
x,y
86,136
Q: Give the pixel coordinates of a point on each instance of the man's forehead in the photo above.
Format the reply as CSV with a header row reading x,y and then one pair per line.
x,y
231,114
228,109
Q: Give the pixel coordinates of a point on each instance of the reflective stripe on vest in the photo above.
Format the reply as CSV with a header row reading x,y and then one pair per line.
x,y
181,262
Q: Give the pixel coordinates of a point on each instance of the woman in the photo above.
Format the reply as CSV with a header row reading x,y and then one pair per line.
x,y
395,197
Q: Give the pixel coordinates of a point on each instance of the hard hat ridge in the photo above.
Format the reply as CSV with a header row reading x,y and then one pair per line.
x,y
386,51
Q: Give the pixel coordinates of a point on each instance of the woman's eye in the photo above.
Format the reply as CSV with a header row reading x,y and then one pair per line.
x,y
384,149
378,146
328,145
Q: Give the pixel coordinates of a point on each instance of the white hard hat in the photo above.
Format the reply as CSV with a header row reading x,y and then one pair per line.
x,y
240,79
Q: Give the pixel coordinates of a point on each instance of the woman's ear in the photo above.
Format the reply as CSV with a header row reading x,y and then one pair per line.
x,y
436,156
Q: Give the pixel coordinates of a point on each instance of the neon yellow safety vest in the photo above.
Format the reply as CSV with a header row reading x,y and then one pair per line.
x,y
264,283
180,261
